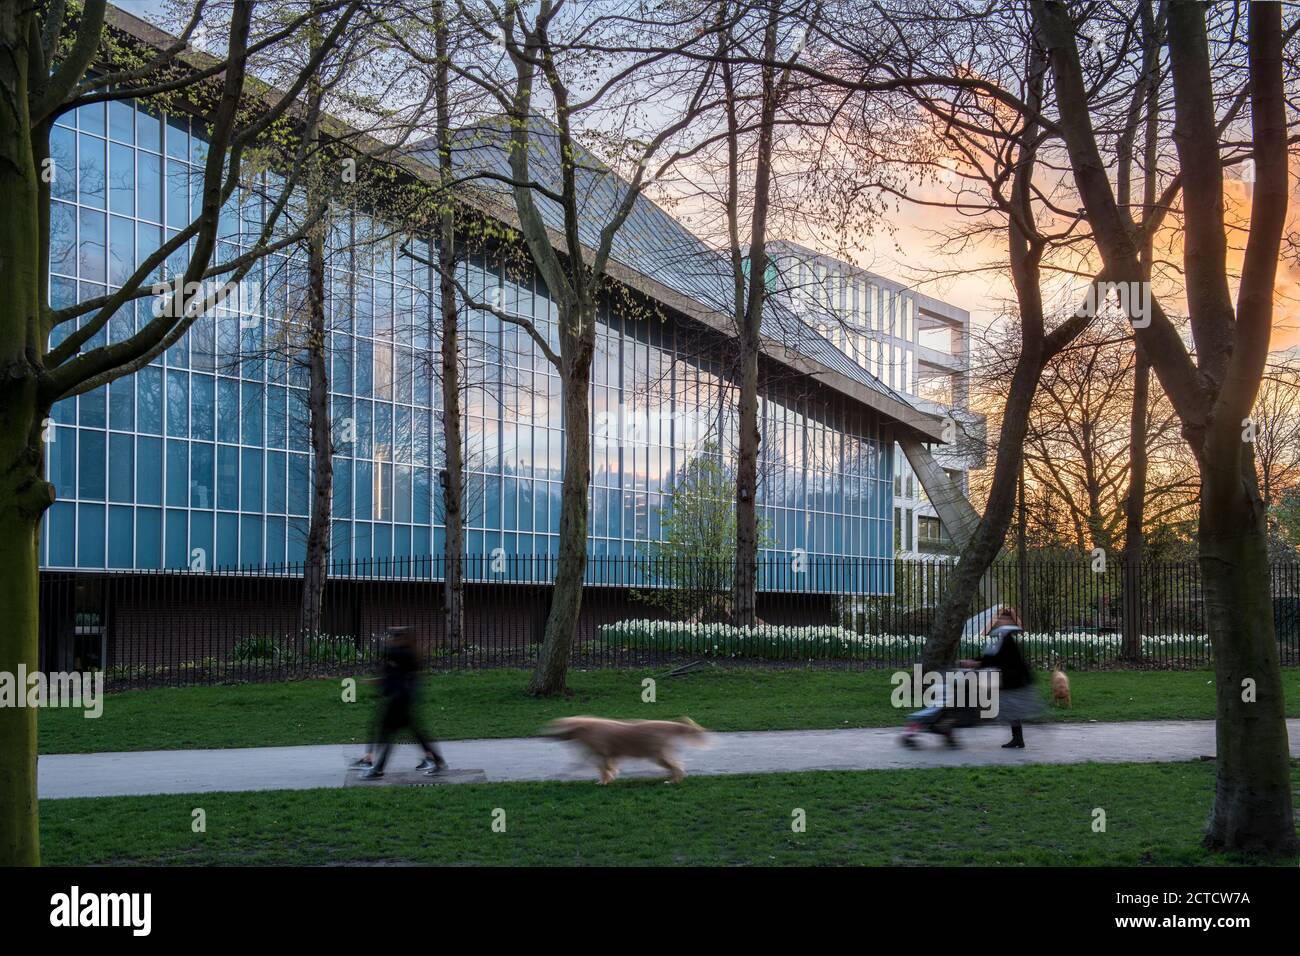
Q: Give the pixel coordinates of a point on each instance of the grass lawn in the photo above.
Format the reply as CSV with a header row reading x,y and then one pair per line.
x,y
491,703
950,816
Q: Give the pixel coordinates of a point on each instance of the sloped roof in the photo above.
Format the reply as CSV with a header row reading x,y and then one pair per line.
x,y
656,246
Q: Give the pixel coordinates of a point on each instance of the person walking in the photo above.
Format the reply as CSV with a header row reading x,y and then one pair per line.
x,y
1018,698
399,680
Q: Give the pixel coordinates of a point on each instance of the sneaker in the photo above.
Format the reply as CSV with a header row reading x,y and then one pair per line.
x,y
370,773
432,765
361,763
1014,745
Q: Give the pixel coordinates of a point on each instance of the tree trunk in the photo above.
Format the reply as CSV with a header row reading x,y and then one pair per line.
x,y
1252,796
316,566
453,445
24,497
1135,500
20,491
748,309
316,569
453,482
942,642
24,493
1134,509
745,582
566,596
1022,546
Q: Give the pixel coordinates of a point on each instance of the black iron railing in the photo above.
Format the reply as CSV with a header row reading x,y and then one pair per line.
x,y
181,627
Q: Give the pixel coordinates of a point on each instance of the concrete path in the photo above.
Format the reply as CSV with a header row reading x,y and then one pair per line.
x,y
532,758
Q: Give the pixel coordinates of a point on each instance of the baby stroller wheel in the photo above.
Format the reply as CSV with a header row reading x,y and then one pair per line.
x,y
908,741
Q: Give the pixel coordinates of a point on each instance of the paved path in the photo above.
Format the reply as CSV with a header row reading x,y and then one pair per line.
x,y
532,758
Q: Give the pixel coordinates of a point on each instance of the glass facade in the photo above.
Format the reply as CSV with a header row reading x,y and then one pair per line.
x,y
203,457
882,327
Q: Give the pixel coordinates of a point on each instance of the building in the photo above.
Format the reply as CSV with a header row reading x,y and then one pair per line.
x,y
201,460
914,344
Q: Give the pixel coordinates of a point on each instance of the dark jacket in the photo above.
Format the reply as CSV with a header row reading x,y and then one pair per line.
x,y
1003,652
400,671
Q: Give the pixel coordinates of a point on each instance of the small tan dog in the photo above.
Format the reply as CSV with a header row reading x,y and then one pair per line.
x,y
1061,687
609,741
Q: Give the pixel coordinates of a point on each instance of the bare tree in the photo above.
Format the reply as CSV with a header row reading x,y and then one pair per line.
x,y
980,77
548,56
1078,447
453,480
432,41
348,173
1215,391
1277,432
749,266
46,71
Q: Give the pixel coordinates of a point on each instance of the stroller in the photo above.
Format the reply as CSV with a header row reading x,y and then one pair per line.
x,y
943,719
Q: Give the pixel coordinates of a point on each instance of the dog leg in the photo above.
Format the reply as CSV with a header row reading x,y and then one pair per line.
x,y
607,771
675,771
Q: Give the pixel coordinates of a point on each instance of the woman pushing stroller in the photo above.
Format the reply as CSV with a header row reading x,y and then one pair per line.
x,y
1018,699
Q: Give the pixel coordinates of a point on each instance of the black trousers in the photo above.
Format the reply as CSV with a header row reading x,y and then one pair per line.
x,y
398,714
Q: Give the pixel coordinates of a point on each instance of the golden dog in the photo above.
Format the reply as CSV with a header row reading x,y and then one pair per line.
x,y
1061,687
609,741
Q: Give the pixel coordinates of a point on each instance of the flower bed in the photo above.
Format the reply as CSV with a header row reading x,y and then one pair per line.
x,y
830,642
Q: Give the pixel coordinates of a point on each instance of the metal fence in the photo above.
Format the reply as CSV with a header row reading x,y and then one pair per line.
x,y
184,627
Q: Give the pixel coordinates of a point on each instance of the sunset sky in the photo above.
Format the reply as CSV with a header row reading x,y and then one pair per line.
x,y
909,252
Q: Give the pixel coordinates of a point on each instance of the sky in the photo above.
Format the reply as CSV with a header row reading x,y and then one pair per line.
x,y
907,250
899,254
146,9
149,9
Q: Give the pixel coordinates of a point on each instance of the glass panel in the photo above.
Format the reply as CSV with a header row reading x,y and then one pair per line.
x,y
148,538
121,537
178,473
91,451
92,168
90,536
149,183
202,463
251,486
63,238
121,468
176,546
121,120
227,477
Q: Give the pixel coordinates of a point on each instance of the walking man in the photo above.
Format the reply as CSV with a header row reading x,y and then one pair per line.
x,y
399,680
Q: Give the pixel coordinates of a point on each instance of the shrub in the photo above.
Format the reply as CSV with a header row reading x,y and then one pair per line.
x,y
259,647
332,649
